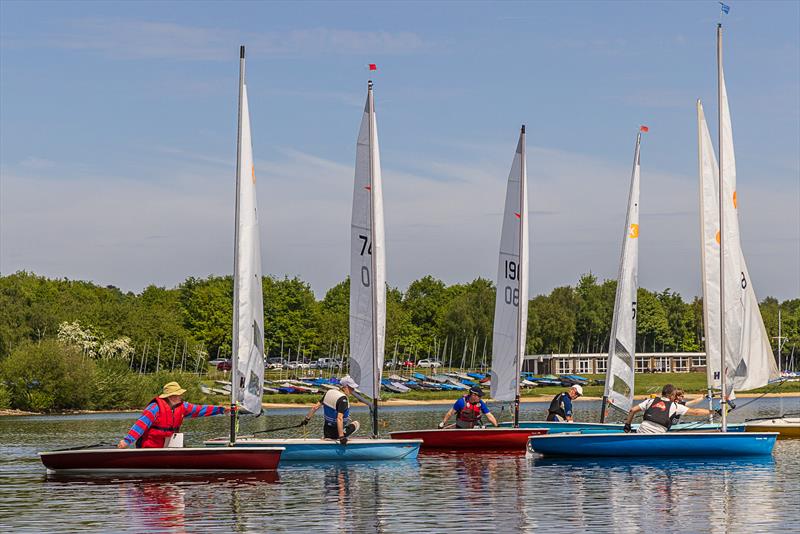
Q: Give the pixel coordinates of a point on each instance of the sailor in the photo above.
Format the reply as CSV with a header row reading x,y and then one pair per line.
x,y
660,412
561,406
469,409
336,410
163,416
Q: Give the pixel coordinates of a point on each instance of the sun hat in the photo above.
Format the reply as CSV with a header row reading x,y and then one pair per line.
x,y
170,389
578,389
349,382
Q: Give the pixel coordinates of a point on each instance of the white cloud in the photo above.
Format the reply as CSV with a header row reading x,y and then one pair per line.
x,y
146,39
446,222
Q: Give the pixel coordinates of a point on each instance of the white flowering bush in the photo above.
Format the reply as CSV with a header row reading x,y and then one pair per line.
x,y
93,345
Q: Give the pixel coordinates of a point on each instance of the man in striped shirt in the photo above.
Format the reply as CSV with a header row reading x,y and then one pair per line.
x,y
163,417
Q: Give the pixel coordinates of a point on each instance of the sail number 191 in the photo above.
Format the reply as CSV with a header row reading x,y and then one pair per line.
x,y
511,294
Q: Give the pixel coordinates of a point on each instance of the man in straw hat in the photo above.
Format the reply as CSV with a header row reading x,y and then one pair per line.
x,y
163,417
336,409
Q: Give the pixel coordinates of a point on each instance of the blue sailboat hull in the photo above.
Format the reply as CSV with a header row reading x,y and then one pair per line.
x,y
326,450
555,427
654,445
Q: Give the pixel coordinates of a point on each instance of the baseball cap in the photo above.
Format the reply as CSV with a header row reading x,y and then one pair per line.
x,y
349,382
578,389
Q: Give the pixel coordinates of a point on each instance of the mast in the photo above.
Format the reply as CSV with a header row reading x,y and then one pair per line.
x,y
617,304
523,220
723,378
373,264
235,355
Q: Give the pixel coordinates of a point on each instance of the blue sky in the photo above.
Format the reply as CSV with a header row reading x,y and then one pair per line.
x,y
118,132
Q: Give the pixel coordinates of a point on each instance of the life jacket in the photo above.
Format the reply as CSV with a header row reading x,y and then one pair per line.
x,y
329,407
675,419
658,412
470,415
168,421
556,408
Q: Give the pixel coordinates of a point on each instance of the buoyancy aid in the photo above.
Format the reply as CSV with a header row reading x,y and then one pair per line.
x,y
329,402
675,419
659,412
470,415
557,408
168,421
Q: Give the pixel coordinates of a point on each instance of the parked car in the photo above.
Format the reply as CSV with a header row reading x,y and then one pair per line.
x,y
407,364
429,363
274,363
224,365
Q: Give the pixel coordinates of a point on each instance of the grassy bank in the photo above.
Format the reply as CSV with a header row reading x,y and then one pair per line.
x,y
646,384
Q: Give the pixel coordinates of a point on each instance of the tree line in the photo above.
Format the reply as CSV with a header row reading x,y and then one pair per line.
x,y
192,321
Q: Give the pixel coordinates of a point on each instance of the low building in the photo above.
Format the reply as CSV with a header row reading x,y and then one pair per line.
x,y
595,363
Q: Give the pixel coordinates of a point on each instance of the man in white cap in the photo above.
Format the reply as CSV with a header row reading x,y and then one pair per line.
x,y
561,406
163,417
336,409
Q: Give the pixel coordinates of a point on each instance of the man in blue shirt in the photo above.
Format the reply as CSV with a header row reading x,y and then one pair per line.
x,y
468,410
561,406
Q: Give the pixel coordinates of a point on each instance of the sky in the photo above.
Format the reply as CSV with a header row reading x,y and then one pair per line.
x,y
118,135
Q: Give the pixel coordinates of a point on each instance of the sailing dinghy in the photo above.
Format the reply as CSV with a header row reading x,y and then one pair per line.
x,y
367,316
248,352
738,352
510,324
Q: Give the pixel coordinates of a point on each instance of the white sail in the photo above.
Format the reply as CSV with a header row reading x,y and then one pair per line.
x,y
511,302
622,346
748,353
248,305
367,261
709,232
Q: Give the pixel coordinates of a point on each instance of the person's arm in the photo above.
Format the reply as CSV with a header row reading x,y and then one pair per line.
x,y
312,411
204,410
340,424
628,420
698,400
697,411
568,408
140,426
447,416
491,418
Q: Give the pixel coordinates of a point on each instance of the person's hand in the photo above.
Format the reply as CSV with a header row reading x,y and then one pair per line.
x,y
122,444
731,405
441,425
304,422
627,428
718,412
343,440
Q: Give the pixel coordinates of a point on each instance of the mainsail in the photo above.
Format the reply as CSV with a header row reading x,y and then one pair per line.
x,y
622,346
248,305
749,362
367,260
511,302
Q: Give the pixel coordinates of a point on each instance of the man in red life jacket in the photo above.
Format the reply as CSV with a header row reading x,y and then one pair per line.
x,y
163,417
660,412
468,410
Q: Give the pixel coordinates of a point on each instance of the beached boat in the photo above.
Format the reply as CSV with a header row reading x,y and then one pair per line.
x,y
485,439
246,389
679,444
168,460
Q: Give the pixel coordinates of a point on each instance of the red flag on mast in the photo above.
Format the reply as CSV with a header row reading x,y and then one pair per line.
x,y
373,66
644,129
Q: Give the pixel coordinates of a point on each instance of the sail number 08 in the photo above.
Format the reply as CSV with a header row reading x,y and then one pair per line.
x,y
511,294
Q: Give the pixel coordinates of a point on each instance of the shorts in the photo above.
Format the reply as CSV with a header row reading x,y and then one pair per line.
x,y
331,432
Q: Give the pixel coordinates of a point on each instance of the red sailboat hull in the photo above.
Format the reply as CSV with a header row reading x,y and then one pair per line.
x,y
490,439
168,460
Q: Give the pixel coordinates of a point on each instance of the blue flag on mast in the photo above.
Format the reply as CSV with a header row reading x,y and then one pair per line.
x,y
725,8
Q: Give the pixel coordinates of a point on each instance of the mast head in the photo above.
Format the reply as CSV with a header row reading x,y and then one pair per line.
x,y
369,85
241,52
522,130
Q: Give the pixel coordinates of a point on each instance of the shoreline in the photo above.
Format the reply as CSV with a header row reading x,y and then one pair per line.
x,y
392,402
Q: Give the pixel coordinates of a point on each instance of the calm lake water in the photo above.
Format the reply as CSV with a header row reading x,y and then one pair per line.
x,y
436,493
